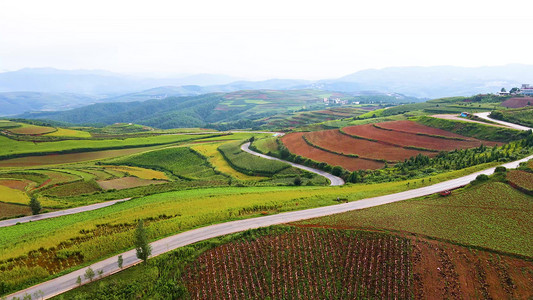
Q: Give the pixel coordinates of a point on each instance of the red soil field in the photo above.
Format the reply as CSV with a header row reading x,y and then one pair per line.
x,y
15,184
414,127
404,139
518,102
338,142
310,263
296,145
304,264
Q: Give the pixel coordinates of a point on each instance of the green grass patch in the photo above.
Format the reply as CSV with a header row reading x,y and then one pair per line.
x,y
181,162
490,215
248,163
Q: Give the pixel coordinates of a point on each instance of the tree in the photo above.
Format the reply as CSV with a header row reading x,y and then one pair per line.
x,y
35,205
354,177
100,273
120,261
78,281
142,247
514,90
89,274
337,170
503,90
298,181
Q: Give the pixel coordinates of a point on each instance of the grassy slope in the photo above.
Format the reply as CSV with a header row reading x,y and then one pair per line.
x,y
476,130
491,215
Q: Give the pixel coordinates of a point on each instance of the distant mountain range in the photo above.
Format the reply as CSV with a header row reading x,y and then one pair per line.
x,y
51,89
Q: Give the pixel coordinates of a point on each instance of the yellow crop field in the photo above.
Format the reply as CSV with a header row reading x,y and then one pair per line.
x,y
217,160
10,195
69,133
140,172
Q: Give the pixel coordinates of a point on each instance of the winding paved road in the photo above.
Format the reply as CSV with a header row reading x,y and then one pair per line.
x,y
11,222
485,115
109,266
335,181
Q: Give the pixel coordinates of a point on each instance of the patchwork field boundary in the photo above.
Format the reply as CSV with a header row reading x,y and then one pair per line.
x,y
82,150
388,143
422,134
345,154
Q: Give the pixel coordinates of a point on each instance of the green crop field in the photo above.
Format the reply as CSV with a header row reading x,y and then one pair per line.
x,y
181,162
248,163
491,215
12,148
522,116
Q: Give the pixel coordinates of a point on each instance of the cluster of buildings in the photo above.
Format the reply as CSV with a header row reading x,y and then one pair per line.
x,y
526,90
328,101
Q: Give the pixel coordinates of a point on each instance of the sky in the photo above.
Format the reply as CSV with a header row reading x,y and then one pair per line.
x,y
262,39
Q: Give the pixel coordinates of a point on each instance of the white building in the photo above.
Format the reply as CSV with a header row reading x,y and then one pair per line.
x,y
526,89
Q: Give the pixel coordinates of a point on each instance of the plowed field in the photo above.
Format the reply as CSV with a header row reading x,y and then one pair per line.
x,y
335,141
413,127
295,143
404,139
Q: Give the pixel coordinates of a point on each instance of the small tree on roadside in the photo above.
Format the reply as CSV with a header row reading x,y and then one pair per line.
x,y
142,247
35,205
89,274
78,281
120,261
100,273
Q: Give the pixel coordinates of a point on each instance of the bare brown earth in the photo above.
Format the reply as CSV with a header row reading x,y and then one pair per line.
x,y
518,102
8,210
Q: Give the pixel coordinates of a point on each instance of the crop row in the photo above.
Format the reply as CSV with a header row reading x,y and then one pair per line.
x,y
304,264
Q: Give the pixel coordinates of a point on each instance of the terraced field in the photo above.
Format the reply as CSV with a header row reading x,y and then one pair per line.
x,y
390,142
31,129
248,163
404,139
179,161
220,163
335,141
297,145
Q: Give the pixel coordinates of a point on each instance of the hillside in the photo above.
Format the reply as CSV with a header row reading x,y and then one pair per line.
x,y
238,108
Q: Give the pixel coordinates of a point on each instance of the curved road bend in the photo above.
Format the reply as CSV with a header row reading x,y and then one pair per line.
x,y
333,179
485,115
109,266
11,222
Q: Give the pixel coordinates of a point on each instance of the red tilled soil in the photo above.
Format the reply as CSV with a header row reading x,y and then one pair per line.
x,y
15,184
404,139
446,271
518,102
296,145
414,127
338,142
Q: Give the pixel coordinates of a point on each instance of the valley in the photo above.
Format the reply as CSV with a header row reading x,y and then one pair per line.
x,y
199,189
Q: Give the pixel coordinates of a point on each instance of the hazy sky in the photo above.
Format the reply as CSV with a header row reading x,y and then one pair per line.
x,y
262,39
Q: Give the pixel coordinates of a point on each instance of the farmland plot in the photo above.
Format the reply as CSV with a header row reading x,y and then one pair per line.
x,y
304,264
297,145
